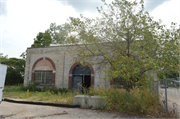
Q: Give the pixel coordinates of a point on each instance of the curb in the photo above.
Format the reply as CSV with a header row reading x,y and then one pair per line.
x,y
42,103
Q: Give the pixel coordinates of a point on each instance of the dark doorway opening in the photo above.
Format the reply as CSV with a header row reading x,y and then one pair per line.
x,y
81,83
86,83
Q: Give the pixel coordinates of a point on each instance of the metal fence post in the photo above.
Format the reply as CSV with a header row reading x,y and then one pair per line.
x,y
166,94
158,87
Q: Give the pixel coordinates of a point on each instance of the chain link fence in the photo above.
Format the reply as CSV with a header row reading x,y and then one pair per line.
x,y
169,89
172,86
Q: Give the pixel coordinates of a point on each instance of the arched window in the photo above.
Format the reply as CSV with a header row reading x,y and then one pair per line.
x,y
43,72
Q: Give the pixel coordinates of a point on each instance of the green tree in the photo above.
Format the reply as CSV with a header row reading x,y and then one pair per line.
x,y
23,55
126,41
171,49
59,33
42,39
15,70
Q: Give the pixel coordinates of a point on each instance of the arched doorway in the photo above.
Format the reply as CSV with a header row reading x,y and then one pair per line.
x,y
81,76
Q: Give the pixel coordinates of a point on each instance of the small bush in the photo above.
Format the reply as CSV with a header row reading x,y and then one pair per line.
x,y
31,88
23,88
55,90
46,88
65,90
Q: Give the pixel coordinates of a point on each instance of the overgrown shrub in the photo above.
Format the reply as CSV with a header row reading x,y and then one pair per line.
x,y
137,101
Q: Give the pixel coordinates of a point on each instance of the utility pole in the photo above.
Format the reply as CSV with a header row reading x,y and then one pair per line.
x,y
166,94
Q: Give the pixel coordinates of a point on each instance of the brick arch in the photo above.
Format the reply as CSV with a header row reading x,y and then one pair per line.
x,y
36,62
46,58
71,70
52,63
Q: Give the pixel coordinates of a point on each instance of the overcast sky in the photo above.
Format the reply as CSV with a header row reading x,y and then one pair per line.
x,y
22,20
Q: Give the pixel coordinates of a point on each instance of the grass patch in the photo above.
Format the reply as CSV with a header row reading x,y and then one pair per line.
x,y
52,95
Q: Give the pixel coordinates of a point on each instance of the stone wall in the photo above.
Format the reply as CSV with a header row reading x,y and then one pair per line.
x,y
63,62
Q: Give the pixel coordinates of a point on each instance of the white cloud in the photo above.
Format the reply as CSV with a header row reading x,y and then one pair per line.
x,y
168,12
25,19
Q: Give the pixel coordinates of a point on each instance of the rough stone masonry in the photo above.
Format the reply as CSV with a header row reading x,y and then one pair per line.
x,y
60,64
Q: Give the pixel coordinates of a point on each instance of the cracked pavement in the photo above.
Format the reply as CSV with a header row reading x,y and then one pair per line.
x,y
26,111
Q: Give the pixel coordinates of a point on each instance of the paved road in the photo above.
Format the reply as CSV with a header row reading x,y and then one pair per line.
x,y
24,111
173,92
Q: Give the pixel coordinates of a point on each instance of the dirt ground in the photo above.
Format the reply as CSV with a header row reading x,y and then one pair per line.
x,y
26,111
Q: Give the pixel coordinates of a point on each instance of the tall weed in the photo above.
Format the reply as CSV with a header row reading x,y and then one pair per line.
x,y
137,101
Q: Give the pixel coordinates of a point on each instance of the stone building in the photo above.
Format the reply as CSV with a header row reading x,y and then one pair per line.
x,y
54,66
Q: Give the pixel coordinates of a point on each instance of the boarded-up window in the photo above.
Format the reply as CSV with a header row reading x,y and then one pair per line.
x,y
43,77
